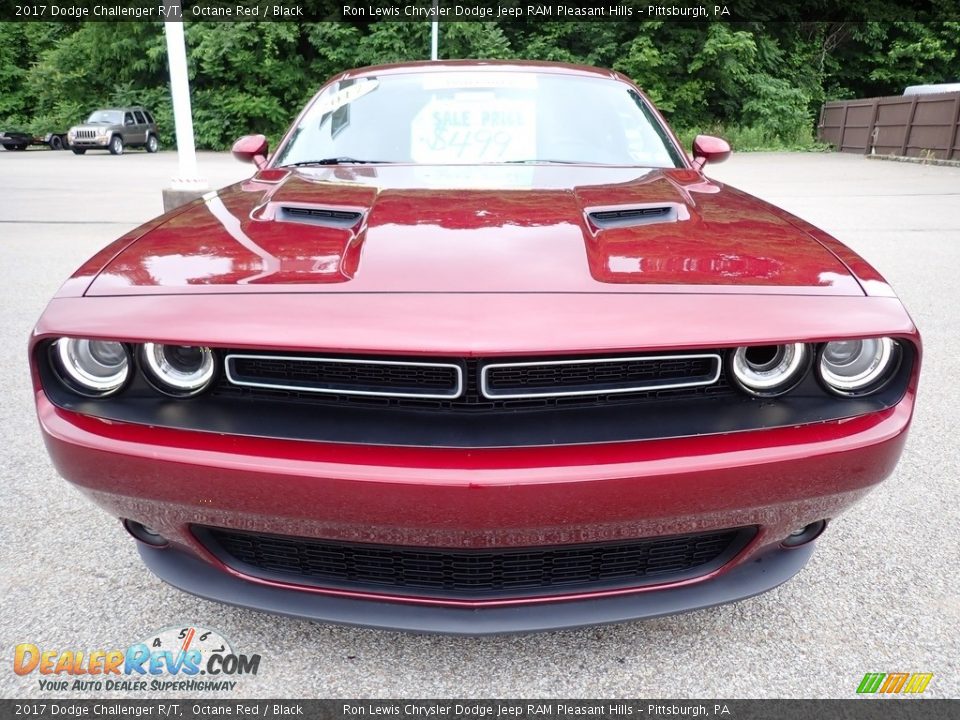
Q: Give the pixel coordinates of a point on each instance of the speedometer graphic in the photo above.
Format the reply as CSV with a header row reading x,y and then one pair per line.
x,y
183,639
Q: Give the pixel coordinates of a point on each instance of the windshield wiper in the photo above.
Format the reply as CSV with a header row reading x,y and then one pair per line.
x,y
343,160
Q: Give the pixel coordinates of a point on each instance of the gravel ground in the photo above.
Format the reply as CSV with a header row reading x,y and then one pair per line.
x,y
880,594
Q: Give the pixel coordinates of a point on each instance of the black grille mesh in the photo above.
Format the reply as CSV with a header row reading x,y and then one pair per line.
x,y
356,376
320,213
576,376
472,401
469,573
626,217
629,214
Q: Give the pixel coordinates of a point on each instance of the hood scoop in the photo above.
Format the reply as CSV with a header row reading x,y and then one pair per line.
x,y
322,216
636,215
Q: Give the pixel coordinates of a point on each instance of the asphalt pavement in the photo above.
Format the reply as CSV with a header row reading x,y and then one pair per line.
x,y
880,595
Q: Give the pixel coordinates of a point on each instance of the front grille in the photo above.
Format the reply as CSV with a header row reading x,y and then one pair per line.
x,y
475,573
602,382
85,134
585,377
347,376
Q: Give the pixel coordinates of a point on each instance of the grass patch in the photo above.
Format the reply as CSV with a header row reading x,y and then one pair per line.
x,y
757,139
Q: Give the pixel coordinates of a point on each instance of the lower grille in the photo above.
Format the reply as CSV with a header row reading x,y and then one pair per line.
x,y
475,573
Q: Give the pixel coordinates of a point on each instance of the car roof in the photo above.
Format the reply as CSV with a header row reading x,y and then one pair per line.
x,y
553,68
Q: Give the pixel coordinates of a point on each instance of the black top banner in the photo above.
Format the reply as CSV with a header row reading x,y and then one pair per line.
x,y
363,11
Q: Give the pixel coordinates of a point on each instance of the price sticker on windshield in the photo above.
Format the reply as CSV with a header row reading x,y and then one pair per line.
x,y
474,128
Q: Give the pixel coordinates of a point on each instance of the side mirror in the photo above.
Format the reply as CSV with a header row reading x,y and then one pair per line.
x,y
709,149
251,149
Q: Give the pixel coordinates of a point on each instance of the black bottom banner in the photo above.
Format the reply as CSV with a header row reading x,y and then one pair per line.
x,y
194,709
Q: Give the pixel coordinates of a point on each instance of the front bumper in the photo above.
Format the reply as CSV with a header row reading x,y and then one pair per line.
x,y
777,480
762,573
96,142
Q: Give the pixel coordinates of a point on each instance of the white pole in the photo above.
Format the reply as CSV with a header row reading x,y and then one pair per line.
x,y
435,32
188,178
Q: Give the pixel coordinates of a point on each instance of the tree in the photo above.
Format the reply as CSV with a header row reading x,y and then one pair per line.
x,y
766,79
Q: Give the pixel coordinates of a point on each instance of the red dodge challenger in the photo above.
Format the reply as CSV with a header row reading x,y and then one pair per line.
x,y
477,349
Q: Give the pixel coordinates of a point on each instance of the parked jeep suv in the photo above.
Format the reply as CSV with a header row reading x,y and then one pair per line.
x,y
114,129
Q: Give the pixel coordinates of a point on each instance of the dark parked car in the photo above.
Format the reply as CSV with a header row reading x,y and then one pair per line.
x,y
20,140
114,129
478,349
13,140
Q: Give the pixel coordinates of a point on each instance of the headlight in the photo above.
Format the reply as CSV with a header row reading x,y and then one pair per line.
x,y
92,367
101,132
769,369
852,367
178,369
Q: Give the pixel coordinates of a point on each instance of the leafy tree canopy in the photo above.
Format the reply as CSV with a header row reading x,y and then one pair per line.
x,y
769,79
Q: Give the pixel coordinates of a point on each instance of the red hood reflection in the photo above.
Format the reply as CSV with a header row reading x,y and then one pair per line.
x,y
474,229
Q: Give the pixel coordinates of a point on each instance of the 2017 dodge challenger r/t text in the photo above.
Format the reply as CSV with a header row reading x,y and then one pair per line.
x,y
478,349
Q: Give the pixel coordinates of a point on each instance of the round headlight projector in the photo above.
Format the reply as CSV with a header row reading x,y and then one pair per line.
x,y
769,369
855,366
93,367
178,369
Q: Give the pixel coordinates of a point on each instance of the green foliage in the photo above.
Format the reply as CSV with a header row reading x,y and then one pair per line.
x,y
245,77
754,138
916,55
759,84
475,40
89,66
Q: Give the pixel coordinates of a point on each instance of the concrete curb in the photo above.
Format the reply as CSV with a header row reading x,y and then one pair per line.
x,y
915,160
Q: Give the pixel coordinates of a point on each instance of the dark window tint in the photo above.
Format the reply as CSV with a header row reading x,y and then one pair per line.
x,y
139,116
127,119
148,116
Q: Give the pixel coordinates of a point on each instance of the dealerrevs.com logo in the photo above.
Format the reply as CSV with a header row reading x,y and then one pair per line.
x,y
190,659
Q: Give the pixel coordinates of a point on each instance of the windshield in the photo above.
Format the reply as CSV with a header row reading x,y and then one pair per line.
x,y
111,117
480,117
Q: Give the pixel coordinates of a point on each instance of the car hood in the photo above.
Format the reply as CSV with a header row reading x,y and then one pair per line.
x,y
498,228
